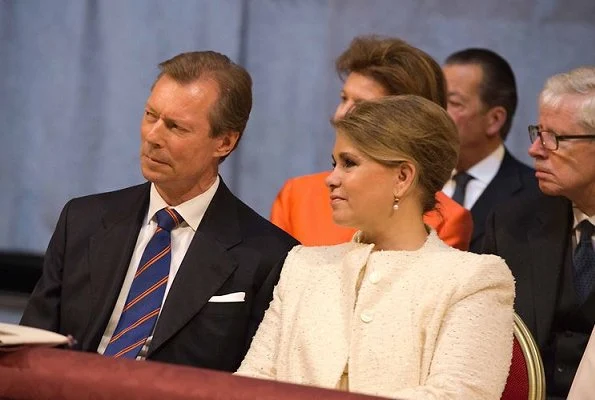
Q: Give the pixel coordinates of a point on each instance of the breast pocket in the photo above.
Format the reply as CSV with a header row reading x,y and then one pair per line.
x,y
232,308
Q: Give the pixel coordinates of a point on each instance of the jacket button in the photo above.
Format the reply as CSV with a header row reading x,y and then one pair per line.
x,y
374,277
366,316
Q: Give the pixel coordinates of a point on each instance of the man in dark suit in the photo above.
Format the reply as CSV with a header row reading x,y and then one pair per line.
x,y
198,298
547,238
482,101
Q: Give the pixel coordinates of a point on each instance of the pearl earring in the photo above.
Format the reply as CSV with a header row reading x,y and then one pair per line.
x,y
396,203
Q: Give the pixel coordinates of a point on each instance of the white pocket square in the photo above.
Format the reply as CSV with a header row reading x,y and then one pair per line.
x,y
236,297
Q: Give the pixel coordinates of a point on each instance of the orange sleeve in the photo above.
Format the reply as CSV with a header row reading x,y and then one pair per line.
x,y
452,222
281,209
303,210
457,228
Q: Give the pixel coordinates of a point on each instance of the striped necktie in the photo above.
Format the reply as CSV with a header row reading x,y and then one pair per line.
x,y
147,290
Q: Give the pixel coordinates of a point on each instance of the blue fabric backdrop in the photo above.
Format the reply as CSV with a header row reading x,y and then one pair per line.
x,y
74,76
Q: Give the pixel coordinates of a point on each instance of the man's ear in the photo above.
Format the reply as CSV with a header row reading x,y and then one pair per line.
x,y
404,177
496,118
226,142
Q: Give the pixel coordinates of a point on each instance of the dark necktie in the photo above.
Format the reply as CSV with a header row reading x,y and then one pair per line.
x,y
143,303
584,261
461,180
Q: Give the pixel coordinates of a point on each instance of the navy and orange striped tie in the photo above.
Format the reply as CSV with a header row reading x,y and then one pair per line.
x,y
146,293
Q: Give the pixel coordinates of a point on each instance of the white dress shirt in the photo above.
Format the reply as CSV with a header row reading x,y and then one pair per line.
x,y
483,172
192,211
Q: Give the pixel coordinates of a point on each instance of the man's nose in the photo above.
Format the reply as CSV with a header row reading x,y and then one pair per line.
x,y
536,149
154,132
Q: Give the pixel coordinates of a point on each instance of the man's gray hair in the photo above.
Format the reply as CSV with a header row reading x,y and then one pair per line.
x,y
579,82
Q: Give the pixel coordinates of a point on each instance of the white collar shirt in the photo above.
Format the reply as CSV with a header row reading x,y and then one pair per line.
x,y
483,172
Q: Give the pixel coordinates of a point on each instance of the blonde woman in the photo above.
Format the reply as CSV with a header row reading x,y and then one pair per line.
x,y
395,312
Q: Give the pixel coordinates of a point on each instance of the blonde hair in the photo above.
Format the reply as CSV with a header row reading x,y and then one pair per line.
x,y
577,82
407,127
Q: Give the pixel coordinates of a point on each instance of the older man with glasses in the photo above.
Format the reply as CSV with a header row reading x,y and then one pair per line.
x,y
551,140
548,240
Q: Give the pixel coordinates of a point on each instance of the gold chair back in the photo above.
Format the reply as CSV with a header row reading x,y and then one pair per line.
x,y
530,350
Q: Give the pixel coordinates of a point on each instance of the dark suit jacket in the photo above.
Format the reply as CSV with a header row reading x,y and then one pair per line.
x,y
512,179
233,250
532,233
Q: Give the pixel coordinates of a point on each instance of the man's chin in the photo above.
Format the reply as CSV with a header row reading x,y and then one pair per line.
x,y
548,189
151,175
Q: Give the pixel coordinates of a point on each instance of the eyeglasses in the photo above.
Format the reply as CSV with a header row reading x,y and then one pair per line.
x,y
551,140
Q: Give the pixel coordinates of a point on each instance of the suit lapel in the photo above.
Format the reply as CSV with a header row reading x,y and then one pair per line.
x,y
205,267
110,251
548,242
506,182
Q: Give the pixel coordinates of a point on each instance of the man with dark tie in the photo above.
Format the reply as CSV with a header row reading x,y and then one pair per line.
x,y
177,269
482,100
547,239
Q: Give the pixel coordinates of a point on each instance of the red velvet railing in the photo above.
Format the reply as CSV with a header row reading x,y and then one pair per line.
x,y
43,373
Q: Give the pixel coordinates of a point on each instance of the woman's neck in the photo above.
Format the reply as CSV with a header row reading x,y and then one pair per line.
x,y
406,231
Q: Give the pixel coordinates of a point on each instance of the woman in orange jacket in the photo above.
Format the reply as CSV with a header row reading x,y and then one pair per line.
x,y
371,67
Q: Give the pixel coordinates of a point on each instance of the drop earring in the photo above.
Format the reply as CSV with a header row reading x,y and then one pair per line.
x,y
396,203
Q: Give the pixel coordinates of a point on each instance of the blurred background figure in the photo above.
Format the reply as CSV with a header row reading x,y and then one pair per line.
x,y
372,67
482,100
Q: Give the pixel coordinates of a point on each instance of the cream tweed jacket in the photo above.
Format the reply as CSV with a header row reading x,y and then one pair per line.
x,y
434,323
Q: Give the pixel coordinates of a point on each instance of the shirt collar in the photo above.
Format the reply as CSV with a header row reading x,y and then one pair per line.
x,y
485,170
580,216
192,210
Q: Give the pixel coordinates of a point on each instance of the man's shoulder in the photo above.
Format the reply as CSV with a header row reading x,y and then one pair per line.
x,y
115,198
527,205
254,224
88,212
114,195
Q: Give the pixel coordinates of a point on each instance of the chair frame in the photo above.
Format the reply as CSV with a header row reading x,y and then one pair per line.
x,y
535,371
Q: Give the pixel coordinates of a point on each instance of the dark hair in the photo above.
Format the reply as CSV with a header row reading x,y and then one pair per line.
x,y
399,67
232,110
498,85
408,127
